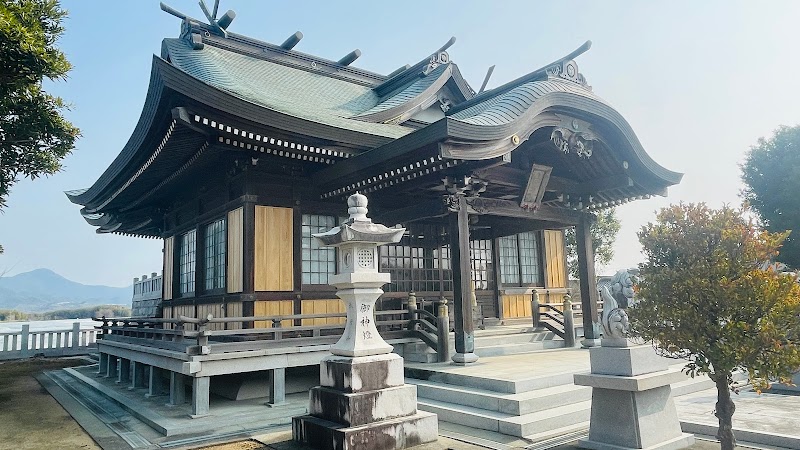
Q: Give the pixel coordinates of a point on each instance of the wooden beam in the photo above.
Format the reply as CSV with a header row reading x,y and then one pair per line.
x,y
508,208
423,210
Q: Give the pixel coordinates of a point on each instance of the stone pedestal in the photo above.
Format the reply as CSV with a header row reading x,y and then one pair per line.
x,y
632,406
363,403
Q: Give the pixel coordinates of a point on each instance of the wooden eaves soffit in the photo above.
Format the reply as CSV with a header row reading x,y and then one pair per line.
x,y
543,143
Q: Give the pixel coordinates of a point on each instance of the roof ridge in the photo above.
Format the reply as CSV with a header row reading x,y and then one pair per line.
x,y
558,68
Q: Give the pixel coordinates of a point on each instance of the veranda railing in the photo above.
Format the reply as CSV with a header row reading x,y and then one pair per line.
x,y
194,336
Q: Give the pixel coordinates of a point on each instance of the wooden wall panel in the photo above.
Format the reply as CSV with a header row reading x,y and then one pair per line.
x,y
215,309
234,309
235,280
274,262
555,259
518,305
184,310
273,308
322,307
166,312
169,258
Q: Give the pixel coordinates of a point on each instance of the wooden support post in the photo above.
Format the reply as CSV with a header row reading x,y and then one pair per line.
x,y
462,275
200,393
569,323
124,372
138,375
443,332
536,312
412,308
277,386
583,236
177,389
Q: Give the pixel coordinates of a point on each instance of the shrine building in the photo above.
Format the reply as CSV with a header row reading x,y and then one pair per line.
x,y
244,149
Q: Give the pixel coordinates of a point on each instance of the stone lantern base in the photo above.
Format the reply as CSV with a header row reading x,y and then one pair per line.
x,y
632,406
364,403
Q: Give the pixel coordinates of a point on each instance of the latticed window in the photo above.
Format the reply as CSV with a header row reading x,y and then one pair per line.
x,y
186,262
481,259
215,255
529,258
509,260
318,262
519,260
418,262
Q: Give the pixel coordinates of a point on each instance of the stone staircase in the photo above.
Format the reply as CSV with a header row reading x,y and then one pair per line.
x,y
535,408
493,341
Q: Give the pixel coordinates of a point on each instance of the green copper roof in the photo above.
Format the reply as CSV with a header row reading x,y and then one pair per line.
x,y
508,106
292,91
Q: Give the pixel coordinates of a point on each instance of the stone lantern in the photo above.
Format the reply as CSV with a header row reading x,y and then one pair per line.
x,y
363,401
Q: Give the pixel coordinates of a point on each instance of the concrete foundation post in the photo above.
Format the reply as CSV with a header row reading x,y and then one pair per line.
x,y
177,389
102,366
138,380
200,388
111,368
124,372
277,387
156,384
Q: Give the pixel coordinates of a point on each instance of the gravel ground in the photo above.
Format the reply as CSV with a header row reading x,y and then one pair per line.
x,y
29,417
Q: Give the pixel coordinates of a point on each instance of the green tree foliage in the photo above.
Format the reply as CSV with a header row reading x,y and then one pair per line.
x,y
604,232
771,173
704,298
34,137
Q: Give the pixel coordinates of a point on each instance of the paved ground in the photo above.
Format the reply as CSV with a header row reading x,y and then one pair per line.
x,y
29,417
32,419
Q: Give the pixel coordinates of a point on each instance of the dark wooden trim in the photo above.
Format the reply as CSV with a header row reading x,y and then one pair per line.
x,y
462,270
248,247
508,208
586,274
498,284
421,210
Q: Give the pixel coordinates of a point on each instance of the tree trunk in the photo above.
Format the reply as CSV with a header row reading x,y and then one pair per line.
x,y
724,412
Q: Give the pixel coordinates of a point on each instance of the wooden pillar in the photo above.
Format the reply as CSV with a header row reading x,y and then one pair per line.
x,y
200,393
588,281
462,275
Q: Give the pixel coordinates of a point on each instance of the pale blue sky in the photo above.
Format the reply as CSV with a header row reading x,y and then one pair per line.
x,y
699,82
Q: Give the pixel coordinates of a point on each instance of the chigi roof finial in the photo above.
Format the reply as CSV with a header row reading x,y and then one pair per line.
x,y
218,25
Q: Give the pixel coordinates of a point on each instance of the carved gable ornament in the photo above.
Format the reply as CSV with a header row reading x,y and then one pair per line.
x,y
574,136
567,70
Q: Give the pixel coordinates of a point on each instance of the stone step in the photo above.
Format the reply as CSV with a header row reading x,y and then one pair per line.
x,y
515,349
516,404
514,425
491,384
422,357
515,338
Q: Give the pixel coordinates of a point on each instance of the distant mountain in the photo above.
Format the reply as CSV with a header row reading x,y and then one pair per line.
x,y
44,290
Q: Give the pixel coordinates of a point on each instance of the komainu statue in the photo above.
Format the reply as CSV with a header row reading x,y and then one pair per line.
x,y
617,295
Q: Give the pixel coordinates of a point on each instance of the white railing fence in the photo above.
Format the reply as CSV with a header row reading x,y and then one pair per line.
x,y
48,343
